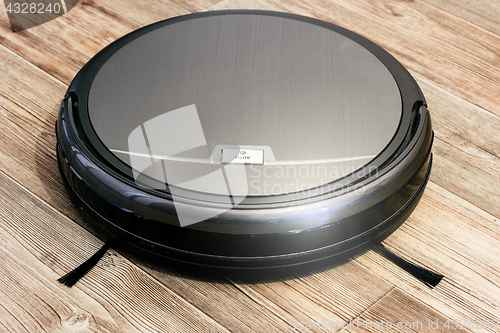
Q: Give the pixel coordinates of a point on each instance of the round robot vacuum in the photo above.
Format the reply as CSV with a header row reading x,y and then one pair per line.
x,y
244,140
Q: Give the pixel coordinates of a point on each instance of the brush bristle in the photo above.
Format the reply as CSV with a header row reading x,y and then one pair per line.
x,y
426,276
76,274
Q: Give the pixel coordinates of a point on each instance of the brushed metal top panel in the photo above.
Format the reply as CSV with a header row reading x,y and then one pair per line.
x,y
305,91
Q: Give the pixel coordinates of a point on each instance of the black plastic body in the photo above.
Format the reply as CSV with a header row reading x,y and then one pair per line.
x,y
103,189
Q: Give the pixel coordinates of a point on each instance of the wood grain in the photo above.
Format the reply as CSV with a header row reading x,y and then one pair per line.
x,y
483,13
241,4
338,294
466,148
30,303
398,312
470,286
124,290
144,12
84,35
452,48
28,123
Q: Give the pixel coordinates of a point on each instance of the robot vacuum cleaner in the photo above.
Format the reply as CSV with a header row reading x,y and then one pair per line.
x,y
244,141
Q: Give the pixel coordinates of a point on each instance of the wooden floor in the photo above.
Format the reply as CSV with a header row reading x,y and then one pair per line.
x,y
451,47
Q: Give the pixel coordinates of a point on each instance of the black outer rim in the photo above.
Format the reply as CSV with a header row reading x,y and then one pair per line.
x,y
328,254
96,186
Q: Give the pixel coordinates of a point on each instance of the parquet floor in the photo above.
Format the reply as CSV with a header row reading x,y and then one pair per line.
x,y
451,47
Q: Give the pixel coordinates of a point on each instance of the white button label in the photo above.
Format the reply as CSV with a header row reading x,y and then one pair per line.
x,y
242,156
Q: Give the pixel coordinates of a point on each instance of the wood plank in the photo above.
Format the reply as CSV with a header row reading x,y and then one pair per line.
x,y
28,136
332,293
435,100
136,299
61,244
470,289
144,12
400,312
433,44
339,293
483,13
30,304
461,123
62,46
440,235
30,277
242,4
219,298
194,6
466,149
463,173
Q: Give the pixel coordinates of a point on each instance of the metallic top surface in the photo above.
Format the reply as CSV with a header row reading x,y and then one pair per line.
x,y
316,103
